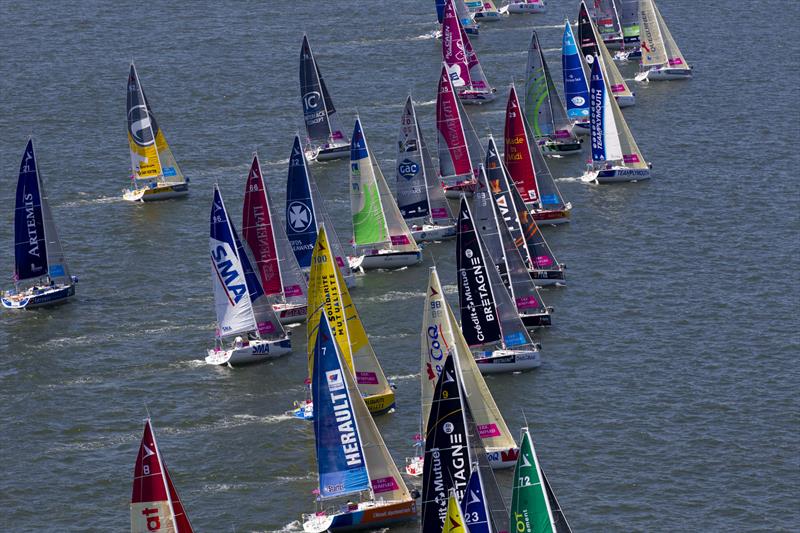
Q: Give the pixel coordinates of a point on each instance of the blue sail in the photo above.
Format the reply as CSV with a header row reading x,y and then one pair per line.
x,y
440,10
596,99
340,457
30,248
576,90
301,223
473,506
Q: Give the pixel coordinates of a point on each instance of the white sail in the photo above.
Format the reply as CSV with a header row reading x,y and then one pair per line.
x,y
400,238
611,140
675,58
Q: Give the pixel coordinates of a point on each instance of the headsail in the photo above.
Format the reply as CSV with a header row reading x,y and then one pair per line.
x,y
478,80
319,114
155,505
576,89
530,507
30,241
454,521
57,267
473,506
454,154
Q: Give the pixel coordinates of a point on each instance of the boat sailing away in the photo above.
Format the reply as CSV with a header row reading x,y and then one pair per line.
x,y
455,458
615,155
528,169
576,88
542,265
155,175
38,256
489,318
281,278
544,109
239,300
526,6
460,152
592,48
419,196
504,255
327,292
441,336
534,508
326,140
661,57
355,468
305,213
381,237
461,61
155,505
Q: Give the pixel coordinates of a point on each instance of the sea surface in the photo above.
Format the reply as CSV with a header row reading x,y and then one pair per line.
x,y
667,398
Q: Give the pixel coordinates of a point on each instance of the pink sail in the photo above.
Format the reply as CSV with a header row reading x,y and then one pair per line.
x,y
476,76
518,151
155,505
257,230
454,54
454,159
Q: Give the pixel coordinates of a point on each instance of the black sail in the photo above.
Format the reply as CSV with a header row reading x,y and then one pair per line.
x,y
586,42
447,453
479,319
314,97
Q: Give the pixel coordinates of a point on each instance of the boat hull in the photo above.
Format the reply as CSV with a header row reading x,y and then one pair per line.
x,y
429,232
256,351
372,515
552,217
162,191
664,74
526,8
336,151
386,260
456,190
543,278
551,147
620,175
487,16
625,101
477,97
377,404
291,313
535,320
47,297
498,361
581,128
498,459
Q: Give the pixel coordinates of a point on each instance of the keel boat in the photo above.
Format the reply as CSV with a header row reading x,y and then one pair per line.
x,y
326,140
576,87
305,214
606,16
359,484
661,57
527,7
381,237
615,155
419,196
243,310
464,14
463,66
41,273
488,12
155,504
155,175
281,278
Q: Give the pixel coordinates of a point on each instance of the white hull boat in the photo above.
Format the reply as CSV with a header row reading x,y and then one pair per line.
x,y
38,297
385,259
249,352
518,8
498,361
429,232
617,174
329,152
664,74
290,313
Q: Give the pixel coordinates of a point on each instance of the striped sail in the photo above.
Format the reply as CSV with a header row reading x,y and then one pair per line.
x,y
543,106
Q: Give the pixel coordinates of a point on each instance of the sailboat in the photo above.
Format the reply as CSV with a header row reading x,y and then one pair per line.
x,y
528,169
38,256
155,504
489,318
463,13
615,155
542,264
504,255
305,213
488,12
526,6
155,175
326,140
661,57
576,88
352,459
544,109
441,336
381,237
534,508
606,16
628,11
463,66
460,152
241,307
328,294
592,46
420,198
280,275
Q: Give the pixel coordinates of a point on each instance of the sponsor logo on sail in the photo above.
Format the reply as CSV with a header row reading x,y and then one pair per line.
x,y
299,216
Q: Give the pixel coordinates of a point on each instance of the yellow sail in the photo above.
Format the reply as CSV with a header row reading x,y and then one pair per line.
x,y
327,291
454,523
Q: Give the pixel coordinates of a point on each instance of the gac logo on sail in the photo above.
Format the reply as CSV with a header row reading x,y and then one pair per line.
x,y
227,274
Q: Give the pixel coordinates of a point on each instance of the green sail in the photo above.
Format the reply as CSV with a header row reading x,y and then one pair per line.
x,y
530,510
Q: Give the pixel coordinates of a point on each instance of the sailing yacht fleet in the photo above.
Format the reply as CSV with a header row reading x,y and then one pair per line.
x,y
277,273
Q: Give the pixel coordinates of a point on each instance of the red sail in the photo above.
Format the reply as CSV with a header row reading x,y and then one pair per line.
x,y
155,505
257,230
453,154
518,151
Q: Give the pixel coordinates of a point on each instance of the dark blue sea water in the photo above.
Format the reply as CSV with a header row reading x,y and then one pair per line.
x,y
668,394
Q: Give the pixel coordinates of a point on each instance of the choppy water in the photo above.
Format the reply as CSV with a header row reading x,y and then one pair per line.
x,y
667,397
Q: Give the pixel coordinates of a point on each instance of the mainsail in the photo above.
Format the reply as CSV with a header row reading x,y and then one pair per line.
x,y
151,157
629,20
155,504
592,46
305,212
543,106
328,292
659,49
30,240
456,137
576,90
454,54
474,507
322,124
